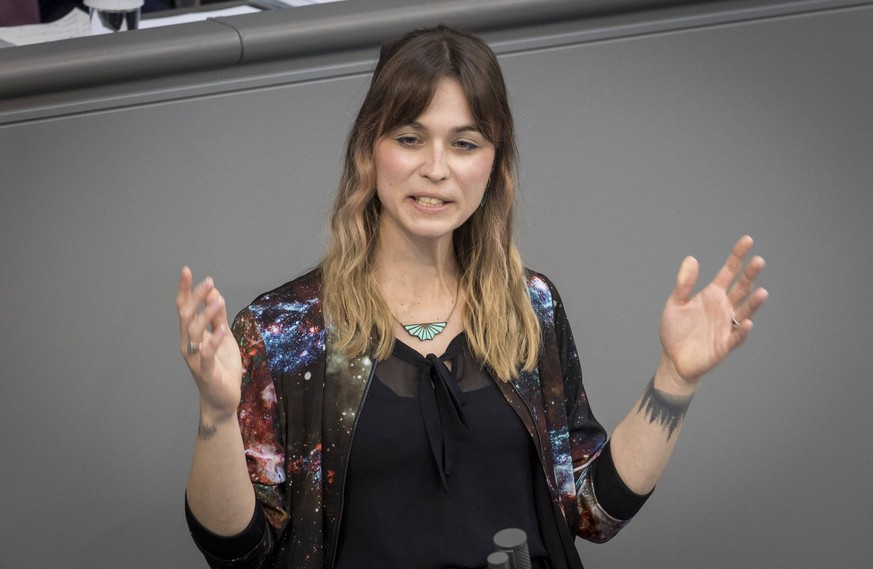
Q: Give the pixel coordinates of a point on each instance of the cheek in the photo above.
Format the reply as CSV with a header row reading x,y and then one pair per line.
x,y
388,163
483,168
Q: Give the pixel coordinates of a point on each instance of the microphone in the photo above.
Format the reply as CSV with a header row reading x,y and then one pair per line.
x,y
513,542
499,560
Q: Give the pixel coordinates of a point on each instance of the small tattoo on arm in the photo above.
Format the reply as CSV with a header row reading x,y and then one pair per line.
x,y
204,431
667,410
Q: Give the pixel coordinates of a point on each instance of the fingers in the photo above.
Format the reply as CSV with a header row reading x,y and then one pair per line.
x,y
745,312
184,287
739,284
194,323
214,315
206,319
686,278
188,300
209,349
741,288
734,263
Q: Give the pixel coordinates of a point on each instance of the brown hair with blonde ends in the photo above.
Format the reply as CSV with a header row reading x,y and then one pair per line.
x,y
501,326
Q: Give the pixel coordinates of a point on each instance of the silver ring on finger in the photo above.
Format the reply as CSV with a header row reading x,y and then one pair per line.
x,y
734,322
191,347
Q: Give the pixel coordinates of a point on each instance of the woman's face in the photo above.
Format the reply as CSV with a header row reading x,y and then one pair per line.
x,y
431,174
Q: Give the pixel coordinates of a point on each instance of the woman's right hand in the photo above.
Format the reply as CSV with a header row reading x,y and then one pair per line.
x,y
208,346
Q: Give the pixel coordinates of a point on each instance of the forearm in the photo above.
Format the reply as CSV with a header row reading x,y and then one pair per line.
x,y
644,441
219,491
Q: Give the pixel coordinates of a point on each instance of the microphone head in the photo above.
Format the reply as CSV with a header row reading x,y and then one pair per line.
x,y
514,542
510,539
499,560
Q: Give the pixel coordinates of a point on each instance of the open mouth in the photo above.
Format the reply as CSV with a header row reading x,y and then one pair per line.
x,y
428,201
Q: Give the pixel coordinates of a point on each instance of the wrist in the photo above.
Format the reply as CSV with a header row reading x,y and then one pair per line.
x,y
670,381
215,415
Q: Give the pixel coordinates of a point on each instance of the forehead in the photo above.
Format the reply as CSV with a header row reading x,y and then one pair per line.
x,y
448,107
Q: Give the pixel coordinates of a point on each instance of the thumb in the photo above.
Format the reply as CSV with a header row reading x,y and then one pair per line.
x,y
685,280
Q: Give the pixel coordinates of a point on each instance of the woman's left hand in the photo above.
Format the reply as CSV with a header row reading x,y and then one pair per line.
x,y
697,332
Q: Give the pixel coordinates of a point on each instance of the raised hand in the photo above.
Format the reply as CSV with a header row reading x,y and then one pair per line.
x,y
697,332
208,346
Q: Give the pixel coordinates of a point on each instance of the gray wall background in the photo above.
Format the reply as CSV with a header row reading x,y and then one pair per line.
x,y
636,151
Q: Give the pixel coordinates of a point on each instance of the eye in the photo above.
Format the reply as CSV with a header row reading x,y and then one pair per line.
x,y
407,140
466,145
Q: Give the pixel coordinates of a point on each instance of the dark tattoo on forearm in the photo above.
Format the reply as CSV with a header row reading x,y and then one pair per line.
x,y
667,410
204,431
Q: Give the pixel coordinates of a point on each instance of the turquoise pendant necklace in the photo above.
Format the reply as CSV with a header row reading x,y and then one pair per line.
x,y
428,330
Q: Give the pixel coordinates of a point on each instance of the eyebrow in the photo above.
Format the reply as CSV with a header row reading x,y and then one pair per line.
x,y
457,130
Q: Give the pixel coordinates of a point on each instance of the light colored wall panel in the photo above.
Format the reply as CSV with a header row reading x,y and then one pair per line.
x,y
635,152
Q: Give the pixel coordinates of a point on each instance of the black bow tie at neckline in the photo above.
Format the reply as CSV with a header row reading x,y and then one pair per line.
x,y
441,405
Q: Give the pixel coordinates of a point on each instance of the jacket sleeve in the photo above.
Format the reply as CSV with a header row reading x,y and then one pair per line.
x,y
265,457
604,503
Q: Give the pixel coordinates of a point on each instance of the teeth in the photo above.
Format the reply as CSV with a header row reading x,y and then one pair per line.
x,y
429,201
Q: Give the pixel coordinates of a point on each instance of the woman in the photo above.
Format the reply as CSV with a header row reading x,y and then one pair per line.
x,y
420,390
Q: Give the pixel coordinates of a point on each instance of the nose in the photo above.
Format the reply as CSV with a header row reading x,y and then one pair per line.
x,y
434,166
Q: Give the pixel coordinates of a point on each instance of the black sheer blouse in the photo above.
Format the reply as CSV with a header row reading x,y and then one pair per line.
x,y
439,464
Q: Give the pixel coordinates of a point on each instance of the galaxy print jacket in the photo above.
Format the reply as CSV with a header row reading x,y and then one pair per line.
x,y
300,400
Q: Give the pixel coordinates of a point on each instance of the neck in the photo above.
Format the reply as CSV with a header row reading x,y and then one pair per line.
x,y
420,269
420,287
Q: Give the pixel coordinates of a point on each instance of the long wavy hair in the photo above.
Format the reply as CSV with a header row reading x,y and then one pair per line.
x,y
501,326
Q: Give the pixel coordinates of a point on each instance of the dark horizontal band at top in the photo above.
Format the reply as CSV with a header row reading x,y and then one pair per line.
x,y
311,30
